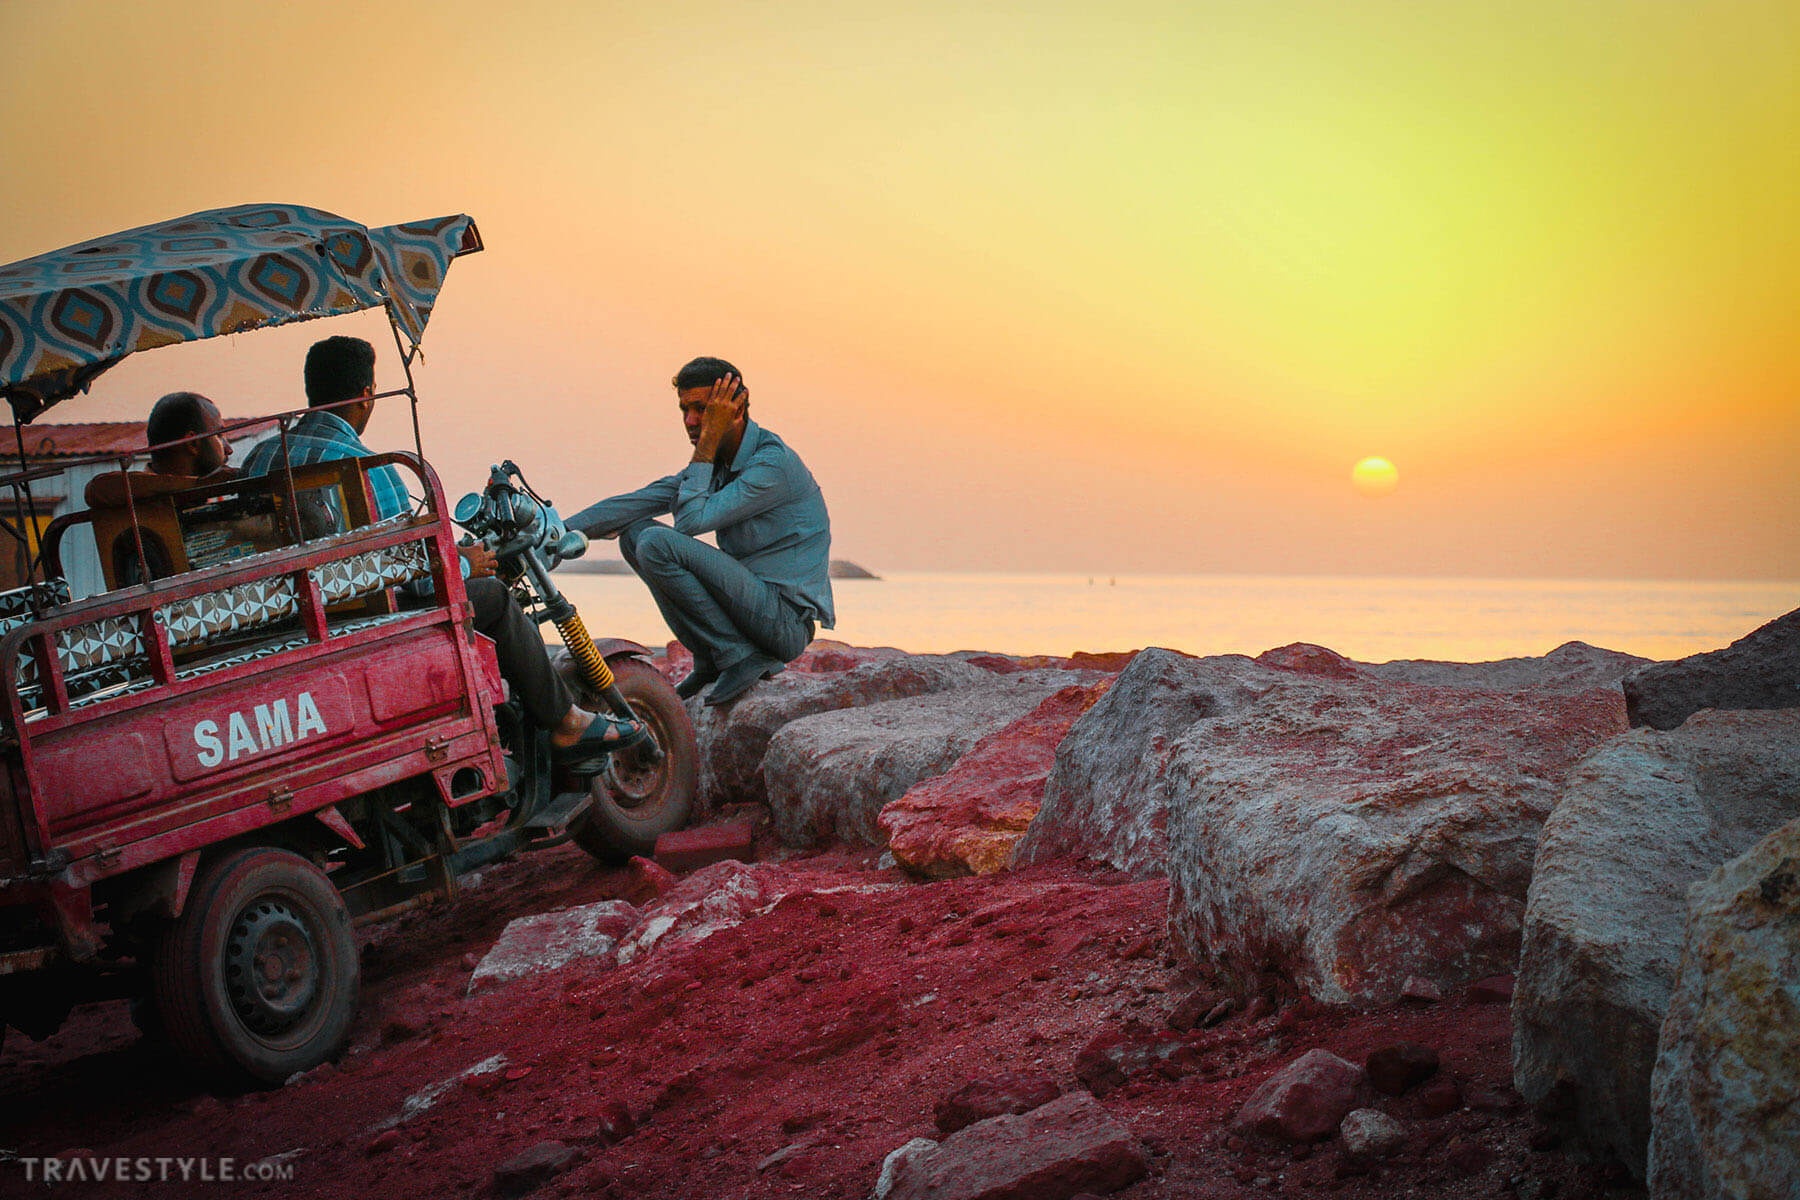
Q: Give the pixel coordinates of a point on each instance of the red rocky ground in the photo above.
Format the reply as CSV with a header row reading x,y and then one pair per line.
x,y
785,1056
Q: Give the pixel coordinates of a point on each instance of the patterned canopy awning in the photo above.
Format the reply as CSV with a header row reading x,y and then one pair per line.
x,y
69,315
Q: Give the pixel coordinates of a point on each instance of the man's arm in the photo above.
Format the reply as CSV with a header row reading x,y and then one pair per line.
x,y
762,486
108,490
606,518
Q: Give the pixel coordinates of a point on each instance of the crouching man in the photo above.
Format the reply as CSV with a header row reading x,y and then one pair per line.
x,y
749,607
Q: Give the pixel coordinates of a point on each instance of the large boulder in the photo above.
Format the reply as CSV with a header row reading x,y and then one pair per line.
x,y
1318,823
829,775
1571,667
968,820
733,738
1641,819
1052,1152
1011,1092
1350,836
1107,796
1759,670
1725,1095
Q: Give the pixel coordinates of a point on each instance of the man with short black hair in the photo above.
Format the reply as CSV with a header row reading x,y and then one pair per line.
x,y
338,369
749,607
343,368
173,468
181,415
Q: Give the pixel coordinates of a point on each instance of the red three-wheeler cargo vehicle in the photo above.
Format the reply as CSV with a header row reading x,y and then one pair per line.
x,y
265,728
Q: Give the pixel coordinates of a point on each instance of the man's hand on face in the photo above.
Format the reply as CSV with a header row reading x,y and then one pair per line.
x,y
481,560
723,408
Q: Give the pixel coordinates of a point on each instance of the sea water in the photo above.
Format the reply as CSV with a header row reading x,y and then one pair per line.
x,y
1368,619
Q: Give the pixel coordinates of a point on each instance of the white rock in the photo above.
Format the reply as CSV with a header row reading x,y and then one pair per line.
x,y
895,1167
713,898
734,738
1371,1133
546,941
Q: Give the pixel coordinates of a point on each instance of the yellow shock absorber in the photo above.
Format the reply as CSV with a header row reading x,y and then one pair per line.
x,y
581,647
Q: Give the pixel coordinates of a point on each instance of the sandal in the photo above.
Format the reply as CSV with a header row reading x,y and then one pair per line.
x,y
604,735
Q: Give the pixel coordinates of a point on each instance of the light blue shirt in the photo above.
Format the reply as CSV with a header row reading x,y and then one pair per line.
x,y
764,505
318,437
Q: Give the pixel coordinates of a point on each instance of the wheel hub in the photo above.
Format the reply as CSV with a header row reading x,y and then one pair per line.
x,y
271,966
634,775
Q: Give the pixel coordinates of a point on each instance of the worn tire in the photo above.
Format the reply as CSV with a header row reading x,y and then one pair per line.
x,y
636,803
227,1006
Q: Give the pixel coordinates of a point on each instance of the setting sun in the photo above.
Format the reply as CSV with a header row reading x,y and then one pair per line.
x,y
1374,476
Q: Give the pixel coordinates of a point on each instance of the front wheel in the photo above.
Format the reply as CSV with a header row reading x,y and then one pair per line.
x,y
641,796
258,977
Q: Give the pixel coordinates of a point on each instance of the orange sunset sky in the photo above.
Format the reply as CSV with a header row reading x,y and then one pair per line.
x,y
1097,288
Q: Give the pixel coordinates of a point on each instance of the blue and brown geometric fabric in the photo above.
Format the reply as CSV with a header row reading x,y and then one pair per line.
x,y
69,315
231,610
371,571
23,603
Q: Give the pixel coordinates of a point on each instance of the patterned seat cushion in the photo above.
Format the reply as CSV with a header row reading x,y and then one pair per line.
x,y
100,657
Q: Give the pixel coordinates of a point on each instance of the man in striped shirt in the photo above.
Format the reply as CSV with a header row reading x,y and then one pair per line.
x,y
343,368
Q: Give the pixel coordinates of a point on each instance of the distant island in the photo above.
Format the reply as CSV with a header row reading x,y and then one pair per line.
x,y
841,568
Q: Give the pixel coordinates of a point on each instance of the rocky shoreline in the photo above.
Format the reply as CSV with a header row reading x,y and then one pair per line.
x,y
1138,923
1357,833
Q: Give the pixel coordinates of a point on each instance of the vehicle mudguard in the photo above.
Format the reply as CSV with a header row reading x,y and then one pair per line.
x,y
611,648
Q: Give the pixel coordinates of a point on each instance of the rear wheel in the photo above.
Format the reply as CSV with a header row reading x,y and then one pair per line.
x,y
642,795
258,977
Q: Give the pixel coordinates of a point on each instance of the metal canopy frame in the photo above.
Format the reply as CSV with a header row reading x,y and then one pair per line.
x,y
393,261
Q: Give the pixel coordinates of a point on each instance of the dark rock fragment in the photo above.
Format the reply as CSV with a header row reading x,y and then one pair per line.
x,y
1303,1101
1495,989
1394,1069
1013,1092
529,1170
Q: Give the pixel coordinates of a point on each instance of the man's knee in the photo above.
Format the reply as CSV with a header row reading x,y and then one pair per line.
x,y
632,536
659,546
490,599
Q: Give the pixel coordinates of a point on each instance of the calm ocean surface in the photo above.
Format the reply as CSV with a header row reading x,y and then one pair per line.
x,y
1373,620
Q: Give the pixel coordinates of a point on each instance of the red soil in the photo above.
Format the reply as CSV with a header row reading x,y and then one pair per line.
x,y
827,1028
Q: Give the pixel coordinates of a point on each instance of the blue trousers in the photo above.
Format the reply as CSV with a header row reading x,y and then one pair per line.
x,y
714,605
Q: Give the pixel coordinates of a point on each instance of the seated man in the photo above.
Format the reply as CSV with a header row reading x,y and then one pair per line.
x,y
176,416
343,368
749,607
173,468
